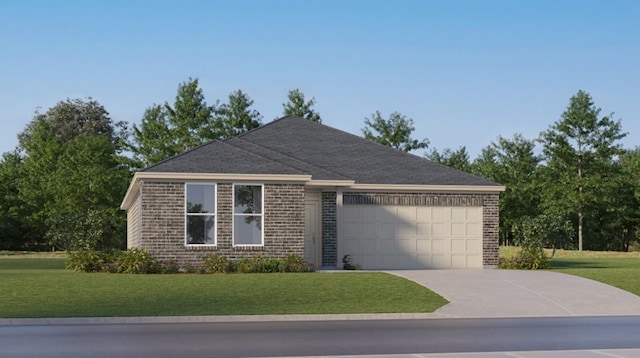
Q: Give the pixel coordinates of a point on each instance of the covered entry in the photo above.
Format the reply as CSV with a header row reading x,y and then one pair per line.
x,y
413,237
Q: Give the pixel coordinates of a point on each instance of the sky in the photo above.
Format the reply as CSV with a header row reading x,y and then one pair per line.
x,y
466,72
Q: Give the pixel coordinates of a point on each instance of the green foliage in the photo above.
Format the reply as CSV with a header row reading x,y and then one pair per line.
x,y
529,234
298,107
216,263
136,261
166,130
72,178
394,132
512,162
15,233
348,265
295,263
580,151
458,159
88,260
236,116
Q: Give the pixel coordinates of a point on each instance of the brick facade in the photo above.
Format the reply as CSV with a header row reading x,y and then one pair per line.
x,y
156,220
329,229
162,222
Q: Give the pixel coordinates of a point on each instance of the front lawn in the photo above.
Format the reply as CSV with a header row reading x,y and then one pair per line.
x,y
40,287
617,269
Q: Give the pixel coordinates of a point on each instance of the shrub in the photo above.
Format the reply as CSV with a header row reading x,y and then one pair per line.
x,y
135,260
529,234
347,264
295,263
216,263
88,260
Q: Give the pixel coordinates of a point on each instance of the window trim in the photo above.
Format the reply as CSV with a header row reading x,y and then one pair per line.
x,y
214,214
234,214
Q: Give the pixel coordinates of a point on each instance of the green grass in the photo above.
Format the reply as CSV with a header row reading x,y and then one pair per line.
x,y
618,269
40,287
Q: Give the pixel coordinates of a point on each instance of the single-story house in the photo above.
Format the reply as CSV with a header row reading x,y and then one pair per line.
x,y
294,186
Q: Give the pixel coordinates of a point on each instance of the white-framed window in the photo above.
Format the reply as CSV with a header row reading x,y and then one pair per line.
x,y
248,209
200,214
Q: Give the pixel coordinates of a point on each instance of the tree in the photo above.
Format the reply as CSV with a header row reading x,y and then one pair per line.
x,y
73,178
298,107
167,130
394,132
579,150
14,233
236,116
458,159
512,162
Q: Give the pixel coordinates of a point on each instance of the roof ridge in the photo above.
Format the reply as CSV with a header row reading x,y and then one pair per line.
x,y
290,157
260,156
262,126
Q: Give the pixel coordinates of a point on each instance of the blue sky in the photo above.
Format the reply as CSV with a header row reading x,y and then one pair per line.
x,y
464,71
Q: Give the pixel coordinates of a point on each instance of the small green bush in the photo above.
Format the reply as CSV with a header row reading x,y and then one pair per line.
x,y
88,260
135,261
216,263
295,263
348,265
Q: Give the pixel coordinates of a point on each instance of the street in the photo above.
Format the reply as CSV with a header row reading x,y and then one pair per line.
x,y
319,338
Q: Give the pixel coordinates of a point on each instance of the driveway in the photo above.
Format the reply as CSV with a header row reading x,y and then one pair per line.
x,y
517,293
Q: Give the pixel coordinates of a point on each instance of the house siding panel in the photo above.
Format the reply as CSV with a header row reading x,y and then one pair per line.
x,y
134,223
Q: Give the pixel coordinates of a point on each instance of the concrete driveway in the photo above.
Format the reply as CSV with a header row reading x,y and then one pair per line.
x,y
517,293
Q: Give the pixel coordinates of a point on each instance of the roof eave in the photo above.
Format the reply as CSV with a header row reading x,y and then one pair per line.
x,y
476,189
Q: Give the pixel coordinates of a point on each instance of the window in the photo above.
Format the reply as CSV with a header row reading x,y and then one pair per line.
x,y
200,214
247,215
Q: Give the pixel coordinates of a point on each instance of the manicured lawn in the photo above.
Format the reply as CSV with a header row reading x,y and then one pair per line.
x,y
40,287
618,269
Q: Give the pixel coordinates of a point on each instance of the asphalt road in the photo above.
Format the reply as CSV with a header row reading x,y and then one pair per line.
x,y
320,338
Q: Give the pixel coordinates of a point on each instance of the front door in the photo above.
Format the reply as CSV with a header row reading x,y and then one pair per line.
x,y
312,236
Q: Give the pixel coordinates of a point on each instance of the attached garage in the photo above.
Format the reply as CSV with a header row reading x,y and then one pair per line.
x,y
413,237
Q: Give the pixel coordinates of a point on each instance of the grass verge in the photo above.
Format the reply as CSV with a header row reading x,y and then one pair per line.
x,y
40,287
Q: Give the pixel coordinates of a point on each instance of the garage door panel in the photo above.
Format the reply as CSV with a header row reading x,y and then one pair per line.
x,y
458,260
405,237
423,229
458,229
458,245
388,229
474,229
368,246
459,214
423,246
406,214
440,229
439,245
441,213
406,229
387,245
406,245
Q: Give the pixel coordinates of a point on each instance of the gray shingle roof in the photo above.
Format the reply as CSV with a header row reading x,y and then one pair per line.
x,y
292,145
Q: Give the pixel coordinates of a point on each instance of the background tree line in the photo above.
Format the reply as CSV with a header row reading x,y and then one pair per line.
x,y
62,186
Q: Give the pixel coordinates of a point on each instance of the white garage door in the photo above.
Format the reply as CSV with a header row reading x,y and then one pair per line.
x,y
413,237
